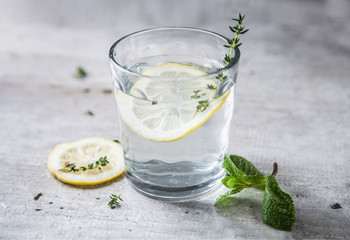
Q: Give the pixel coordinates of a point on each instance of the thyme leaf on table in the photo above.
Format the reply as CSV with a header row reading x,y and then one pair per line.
x,y
114,201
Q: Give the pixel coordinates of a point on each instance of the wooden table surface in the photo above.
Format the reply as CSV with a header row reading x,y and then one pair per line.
x,y
292,107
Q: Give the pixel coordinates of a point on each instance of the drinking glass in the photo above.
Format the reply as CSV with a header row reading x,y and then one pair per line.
x,y
175,98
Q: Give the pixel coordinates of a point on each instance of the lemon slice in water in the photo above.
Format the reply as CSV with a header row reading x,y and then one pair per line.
x,y
83,153
164,108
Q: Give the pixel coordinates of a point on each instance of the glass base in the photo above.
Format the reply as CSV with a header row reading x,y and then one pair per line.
x,y
187,193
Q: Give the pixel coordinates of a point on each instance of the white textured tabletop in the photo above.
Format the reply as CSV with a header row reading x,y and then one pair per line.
x,y
292,107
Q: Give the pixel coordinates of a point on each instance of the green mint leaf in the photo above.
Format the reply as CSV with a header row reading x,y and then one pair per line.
x,y
231,168
278,208
231,192
233,182
225,180
245,166
236,170
254,179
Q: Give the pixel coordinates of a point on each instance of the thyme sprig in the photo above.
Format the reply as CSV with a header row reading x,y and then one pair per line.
x,y
221,77
211,87
203,105
238,29
114,201
71,167
196,94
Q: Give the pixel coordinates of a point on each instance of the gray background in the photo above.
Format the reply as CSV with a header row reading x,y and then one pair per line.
x,y
292,107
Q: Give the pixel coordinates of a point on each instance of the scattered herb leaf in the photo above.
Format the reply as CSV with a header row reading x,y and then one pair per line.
x,y
335,206
89,112
71,167
80,73
114,200
107,91
278,208
117,141
38,209
38,196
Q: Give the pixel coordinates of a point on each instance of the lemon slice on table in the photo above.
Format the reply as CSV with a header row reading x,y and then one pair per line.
x,y
76,162
164,108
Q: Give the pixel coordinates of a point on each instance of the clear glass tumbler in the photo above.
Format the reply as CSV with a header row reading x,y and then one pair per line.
x,y
175,100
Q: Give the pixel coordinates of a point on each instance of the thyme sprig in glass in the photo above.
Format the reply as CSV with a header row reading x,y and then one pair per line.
x,y
71,167
238,29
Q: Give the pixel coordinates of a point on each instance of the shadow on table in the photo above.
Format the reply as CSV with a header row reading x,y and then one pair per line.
x,y
242,204
239,215
247,204
231,204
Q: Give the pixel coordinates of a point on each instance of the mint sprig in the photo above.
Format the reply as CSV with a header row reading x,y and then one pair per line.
x,y
278,208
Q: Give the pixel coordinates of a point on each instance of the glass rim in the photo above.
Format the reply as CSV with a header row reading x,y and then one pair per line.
x,y
233,62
